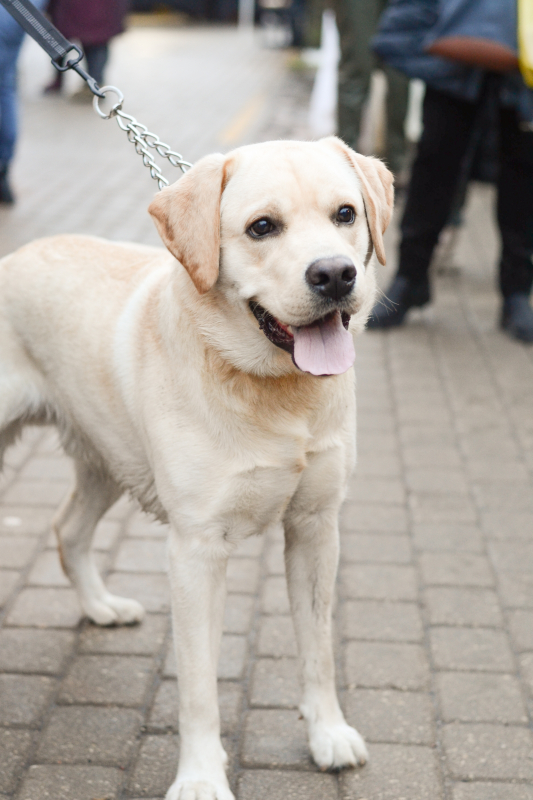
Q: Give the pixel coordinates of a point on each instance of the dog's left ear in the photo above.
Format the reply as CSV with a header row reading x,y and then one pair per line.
x,y
187,216
378,192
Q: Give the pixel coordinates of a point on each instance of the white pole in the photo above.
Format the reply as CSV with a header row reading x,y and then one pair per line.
x,y
246,13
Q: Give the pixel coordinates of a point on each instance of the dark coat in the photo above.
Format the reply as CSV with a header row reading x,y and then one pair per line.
x,y
89,21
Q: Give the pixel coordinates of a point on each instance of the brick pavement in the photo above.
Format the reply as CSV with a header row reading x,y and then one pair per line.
x,y
435,607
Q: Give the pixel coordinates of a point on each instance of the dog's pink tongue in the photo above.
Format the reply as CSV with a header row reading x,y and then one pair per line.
x,y
325,348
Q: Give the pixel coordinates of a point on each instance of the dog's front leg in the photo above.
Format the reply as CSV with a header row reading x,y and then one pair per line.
x,y
311,556
198,585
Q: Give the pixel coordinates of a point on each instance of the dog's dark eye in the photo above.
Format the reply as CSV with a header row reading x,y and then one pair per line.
x,y
345,214
261,227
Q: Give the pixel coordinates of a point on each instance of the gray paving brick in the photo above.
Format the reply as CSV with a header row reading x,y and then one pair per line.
x,y
471,697
15,746
54,467
368,517
96,679
526,665
379,582
499,752
437,480
274,597
275,738
66,782
442,536
29,650
517,558
275,682
142,555
276,637
392,549
427,456
36,493
388,491
275,561
85,735
374,619
142,640
47,570
386,665
238,613
516,589
8,581
491,791
243,575
441,508
378,465
45,608
507,524
24,520
521,625
449,606
498,495
286,785
456,569
17,551
24,698
395,771
384,715
156,766
479,649
152,591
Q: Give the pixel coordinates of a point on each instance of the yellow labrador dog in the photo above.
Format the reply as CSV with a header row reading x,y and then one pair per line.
x,y
215,384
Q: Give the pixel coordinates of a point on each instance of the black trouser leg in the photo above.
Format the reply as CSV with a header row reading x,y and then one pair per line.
x,y
515,205
447,130
96,55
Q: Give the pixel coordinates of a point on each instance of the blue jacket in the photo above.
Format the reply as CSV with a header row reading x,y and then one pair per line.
x,y
408,27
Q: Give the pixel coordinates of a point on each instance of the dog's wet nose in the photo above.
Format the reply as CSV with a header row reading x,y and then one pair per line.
x,y
332,277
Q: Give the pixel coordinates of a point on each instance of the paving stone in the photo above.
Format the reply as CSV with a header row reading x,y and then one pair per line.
x,y
427,456
151,591
498,495
85,735
436,480
382,715
285,785
15,746
106,535
144,639
384,665
516,589
47,570
381,548
377,465
164,715
47,781
441,508
479,649
393,772
507,524
274,597
142,555
27,650
231,662
498,752
8,581
54,467
36,493
275,682
17,551
238,613
521,624
374,619
449,606
517,558
275,738
368,517
456,569
379,582
275,560
24,698
45,608
471,697
156,766
24,520
276,637
97,679
442,536
389,491
243,575
492,791
526,665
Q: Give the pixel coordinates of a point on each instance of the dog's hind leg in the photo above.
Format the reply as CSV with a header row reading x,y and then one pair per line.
x,y
74,525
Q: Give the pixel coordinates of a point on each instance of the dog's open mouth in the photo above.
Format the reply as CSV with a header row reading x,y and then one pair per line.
x,y
323,348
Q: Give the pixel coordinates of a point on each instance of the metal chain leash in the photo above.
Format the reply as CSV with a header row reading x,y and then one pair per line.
x,y
141,137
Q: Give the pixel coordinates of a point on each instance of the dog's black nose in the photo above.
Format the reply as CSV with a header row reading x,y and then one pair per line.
x,y
331,277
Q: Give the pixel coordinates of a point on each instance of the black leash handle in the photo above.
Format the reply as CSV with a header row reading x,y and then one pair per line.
x,y
50,39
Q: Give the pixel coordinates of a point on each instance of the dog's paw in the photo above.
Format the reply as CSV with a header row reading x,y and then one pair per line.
x,y
198,790
113,610
336,746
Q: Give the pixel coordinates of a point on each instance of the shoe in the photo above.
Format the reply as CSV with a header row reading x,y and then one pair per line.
x,y
6,195
517,317
401,295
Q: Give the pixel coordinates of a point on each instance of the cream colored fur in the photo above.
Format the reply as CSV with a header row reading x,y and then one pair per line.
x,y
162,384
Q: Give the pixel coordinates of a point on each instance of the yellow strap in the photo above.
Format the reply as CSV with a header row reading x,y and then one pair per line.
x,y
525,40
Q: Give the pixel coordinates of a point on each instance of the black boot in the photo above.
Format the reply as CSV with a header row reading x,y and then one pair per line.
x,y
6,195
401,295
517,317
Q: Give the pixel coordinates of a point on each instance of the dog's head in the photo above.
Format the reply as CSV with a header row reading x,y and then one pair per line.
x,y
283,235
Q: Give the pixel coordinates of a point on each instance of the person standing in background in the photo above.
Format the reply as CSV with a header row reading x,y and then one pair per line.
x,y
93,23
357,21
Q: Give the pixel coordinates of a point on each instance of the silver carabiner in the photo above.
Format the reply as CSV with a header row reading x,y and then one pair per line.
x,y
118,105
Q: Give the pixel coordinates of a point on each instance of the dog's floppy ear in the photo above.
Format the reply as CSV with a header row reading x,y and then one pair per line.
x,y
187,215
378,191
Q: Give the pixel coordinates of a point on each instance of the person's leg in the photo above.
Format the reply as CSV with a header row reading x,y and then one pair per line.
x,y
515,220
96,55
447,126
8,120
397,100
356,21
